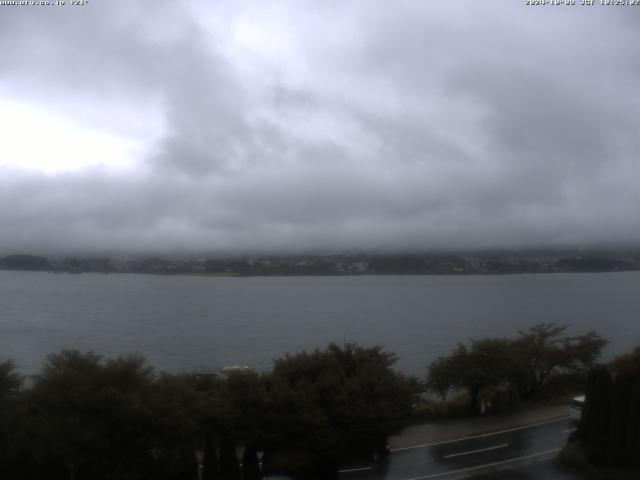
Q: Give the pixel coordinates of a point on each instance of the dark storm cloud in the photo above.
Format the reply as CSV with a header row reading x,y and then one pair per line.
x,y
344,125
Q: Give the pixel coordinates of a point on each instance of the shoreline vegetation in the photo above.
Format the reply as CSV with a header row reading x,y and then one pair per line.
x,y
470,263
91,417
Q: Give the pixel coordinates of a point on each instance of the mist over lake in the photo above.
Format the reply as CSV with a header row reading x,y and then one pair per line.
x,y
183,323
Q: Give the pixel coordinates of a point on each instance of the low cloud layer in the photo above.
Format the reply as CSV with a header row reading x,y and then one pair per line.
x,y
346,125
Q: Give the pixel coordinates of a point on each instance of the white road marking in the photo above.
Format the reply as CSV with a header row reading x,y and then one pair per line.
x,y
570,430
476,451
480,435
359,469
486,465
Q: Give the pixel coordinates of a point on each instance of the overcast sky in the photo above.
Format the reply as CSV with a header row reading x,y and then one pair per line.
x,y
151,126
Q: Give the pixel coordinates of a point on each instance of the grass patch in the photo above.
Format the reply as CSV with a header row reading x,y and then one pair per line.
x,y
573,455
430,410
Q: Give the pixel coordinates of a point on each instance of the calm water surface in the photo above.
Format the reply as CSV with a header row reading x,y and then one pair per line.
x,y
185,323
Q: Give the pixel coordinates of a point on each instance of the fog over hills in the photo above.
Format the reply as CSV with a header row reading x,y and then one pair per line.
x,y
292,126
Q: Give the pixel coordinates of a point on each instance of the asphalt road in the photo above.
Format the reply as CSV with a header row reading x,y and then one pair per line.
x,y
469,456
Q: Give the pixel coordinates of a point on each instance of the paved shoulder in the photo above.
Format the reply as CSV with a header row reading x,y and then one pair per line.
x,y
474,451
449,430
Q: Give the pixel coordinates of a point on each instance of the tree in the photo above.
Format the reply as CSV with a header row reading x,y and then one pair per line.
x,y
176,408
339,402
10,383
229,468
483,365
596,415
25,262
526,363
442,374
91,414
90,417
250,464
542,351
628,364
239,406
623,443
611,415
210,458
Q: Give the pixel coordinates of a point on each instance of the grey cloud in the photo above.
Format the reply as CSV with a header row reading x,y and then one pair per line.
x,y
431,125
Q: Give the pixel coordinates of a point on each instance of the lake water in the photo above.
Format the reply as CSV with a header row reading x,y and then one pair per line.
x,y
185,323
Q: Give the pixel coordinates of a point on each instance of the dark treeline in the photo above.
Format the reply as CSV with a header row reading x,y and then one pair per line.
x,y
357,264
495,371
87,417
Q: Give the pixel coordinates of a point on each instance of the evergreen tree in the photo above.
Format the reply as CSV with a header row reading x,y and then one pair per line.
x,y
596,417
250,465
229,468
210,458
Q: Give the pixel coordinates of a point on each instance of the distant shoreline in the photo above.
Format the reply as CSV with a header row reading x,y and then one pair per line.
x,y
334,274
477,263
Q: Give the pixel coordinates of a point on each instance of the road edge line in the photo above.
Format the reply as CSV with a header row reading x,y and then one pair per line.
x,y
470,452
480,435
486,465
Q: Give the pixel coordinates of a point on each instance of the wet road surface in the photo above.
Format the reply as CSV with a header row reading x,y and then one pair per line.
x,y
470,456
